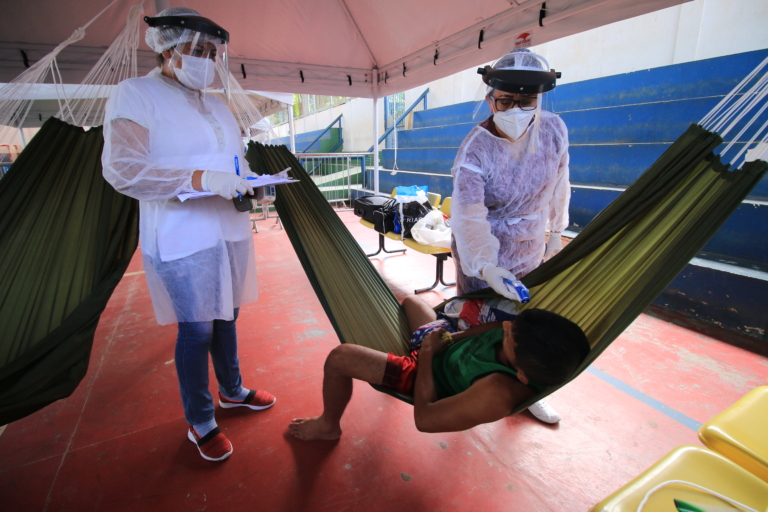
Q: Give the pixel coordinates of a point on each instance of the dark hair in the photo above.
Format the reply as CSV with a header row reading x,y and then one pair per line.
x,y
549,347
160,59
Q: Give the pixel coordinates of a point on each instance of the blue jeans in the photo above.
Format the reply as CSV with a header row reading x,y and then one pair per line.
x,y
195,341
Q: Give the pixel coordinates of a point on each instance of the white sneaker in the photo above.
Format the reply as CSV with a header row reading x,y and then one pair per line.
x,y
543,412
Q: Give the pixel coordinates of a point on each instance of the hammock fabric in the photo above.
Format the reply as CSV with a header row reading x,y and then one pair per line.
x,y
67,237
602,280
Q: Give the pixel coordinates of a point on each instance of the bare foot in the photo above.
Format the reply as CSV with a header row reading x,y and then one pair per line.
x,y
314,429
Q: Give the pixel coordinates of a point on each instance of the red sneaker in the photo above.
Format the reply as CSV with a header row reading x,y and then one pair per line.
x,y
256,400
213,446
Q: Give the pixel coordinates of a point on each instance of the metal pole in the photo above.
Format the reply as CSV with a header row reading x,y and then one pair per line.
x,y
349,182
291,133
376,145
23,140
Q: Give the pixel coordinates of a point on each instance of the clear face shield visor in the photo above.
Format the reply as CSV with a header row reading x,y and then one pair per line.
x,y
523,75
198,59
196,50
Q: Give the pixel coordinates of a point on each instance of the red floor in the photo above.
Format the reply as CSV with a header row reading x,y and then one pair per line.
x,y
119,442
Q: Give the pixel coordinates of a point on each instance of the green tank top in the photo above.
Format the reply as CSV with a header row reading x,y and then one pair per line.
x,y
455,369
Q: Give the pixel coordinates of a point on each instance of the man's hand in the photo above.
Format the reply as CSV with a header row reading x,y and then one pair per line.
x,y
508,337
436,341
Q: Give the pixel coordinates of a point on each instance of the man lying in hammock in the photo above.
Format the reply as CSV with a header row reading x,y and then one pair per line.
x,y
458,379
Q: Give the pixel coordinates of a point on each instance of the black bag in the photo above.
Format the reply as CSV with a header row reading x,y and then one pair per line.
x,y
365,206
410,213
384,219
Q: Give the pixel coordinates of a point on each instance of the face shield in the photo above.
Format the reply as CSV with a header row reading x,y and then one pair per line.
x,y
519,77
522,73
197,46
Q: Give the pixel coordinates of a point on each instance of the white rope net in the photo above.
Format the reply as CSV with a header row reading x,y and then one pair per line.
x,y
252,124
17,96
84,105
740,114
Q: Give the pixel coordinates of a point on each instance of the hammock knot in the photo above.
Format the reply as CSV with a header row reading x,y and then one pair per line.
x,y
135,12
77,35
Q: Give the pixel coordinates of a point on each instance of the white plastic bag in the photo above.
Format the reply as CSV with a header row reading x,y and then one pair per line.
x,y
432,230
404,197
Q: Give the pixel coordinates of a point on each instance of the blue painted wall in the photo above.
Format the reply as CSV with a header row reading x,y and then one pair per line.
x,y
618,126
730,301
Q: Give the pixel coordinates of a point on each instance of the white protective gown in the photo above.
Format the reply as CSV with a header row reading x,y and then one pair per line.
x,y
198,254
505,197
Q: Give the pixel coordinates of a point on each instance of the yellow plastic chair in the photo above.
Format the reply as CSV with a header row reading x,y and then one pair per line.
x,y
694,465
740,433
446,207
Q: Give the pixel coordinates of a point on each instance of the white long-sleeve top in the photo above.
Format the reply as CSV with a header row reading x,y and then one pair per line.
x,y
156,134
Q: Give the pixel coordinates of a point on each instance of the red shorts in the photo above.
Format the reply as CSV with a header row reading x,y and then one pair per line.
x,y
400,373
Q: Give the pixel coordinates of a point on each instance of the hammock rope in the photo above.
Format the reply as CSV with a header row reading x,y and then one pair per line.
x,y
118,62
16,97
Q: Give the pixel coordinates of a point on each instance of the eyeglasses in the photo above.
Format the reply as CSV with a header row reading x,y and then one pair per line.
x,y
506,103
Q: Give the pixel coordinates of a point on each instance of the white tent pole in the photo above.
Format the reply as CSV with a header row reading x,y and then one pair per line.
x,y
375,145
291,132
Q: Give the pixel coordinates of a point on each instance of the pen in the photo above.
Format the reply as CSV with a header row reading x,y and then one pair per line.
x,y
237,170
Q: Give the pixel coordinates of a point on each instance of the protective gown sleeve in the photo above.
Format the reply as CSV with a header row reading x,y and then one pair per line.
x,y
561,198
475,243
126,159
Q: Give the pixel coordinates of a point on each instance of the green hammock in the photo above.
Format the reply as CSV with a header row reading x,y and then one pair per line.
x,y
67,238
602,280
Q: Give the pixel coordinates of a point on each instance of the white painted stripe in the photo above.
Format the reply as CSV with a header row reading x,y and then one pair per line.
x,y
599,187
731,269
639,104
714,265
754,202
421,173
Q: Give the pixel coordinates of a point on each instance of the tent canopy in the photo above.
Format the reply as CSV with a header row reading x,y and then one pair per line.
x,y
356,48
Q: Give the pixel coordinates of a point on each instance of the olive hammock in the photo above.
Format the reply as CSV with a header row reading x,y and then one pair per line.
x,y
602,280
66,235
67,239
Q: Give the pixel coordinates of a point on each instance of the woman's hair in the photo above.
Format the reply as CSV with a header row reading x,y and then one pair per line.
x,y
549,347
160,59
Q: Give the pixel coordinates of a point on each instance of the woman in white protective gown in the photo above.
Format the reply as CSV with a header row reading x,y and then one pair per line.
x,y
164,137
510,185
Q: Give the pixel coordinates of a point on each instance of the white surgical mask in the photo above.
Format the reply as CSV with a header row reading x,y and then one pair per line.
x,y
195,72
513,122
